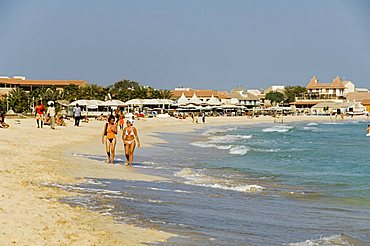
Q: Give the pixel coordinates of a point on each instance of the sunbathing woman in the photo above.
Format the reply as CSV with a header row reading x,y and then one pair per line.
x,y
110,131
130,137
2,121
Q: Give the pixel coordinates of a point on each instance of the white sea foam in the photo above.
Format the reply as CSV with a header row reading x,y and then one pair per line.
x,y
332,123
203,144
155,201
278,128
213,131
224,146
239,150
241,188
312,128
333,240
199,179
312,124
228,138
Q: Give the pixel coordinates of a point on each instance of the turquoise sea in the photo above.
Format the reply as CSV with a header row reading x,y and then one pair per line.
x,y
268,184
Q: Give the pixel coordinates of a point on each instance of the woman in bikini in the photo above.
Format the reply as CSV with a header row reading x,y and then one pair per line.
x,y
110,131
130,137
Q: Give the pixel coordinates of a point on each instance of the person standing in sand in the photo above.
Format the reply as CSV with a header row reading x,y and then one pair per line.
x,y
121,120
110,131
51,114
39,114
77,114
130,137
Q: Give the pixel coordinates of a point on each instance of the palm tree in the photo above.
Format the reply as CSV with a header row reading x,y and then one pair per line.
x,y
18,100
165,94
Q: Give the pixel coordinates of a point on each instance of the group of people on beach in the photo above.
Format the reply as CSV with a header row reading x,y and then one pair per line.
x,y
47,118
129,137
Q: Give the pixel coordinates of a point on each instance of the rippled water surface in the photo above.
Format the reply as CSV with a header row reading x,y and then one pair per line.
x,y
282,184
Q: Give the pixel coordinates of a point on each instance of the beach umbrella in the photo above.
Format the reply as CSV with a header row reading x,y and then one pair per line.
x,y
80,102
182,100
114,103
151,102
195,100
188,106
135,102
165,101
213,101
95,102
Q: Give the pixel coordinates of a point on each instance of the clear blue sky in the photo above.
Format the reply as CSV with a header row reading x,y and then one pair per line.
x,y
196,43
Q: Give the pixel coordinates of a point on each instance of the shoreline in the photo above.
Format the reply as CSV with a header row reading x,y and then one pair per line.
x,y
44,157
31,211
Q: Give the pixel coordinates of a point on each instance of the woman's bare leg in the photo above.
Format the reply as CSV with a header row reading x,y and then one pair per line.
x,y
127,154
113,149
131,149
107,149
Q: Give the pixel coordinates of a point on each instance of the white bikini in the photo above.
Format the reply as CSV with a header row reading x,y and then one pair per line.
x,y
132,134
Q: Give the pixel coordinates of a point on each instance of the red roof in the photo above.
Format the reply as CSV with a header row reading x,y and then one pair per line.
x,y
335,84
199,93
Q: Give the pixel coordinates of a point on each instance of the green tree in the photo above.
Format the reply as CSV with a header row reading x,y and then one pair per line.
x,y
93,92
2,104
18,100
291,92
71,93
275,97
165,94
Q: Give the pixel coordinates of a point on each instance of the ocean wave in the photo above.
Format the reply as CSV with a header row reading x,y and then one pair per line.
x,y
199,179
210,145
333,240
278,128
333,123
312,128
204,144
228,138
214,131
239,150
313,124
224,147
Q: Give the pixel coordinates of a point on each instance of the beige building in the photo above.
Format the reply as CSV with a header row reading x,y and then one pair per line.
x,y
203,95
7,84
326,91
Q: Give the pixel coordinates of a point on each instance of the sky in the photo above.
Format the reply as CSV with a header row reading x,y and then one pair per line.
x,y
203,44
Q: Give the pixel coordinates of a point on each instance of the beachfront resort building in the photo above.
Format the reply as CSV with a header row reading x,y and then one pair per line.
x,y
328,108
202,95
7,84
317,92
240,96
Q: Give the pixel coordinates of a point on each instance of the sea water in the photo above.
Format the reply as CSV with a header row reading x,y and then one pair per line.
x,y
280,184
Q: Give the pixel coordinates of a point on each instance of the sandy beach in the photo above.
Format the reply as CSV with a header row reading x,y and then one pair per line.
x,y
32,159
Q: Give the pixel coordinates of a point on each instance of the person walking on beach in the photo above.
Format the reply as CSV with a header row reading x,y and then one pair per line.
x,y
204,118
109,133
130,137
39,114
51,114
121,120
77,114
368,129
